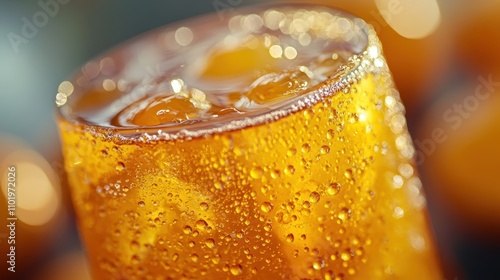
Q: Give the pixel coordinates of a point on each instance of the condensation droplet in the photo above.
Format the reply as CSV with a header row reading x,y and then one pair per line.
x,y
314,197
290,170
290,238
333,188
210,243
204,206
256,172
120,166
344,214
266,207
345,256
324,150
236,270
188,230
305,148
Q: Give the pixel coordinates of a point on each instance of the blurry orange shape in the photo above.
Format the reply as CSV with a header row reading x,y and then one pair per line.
x,y
72,265
411,19
458,145
37,187
478,39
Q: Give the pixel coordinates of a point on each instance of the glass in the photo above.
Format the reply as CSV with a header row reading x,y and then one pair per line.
x,y
268,144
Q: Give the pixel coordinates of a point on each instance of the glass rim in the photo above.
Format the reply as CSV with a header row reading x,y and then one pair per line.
x,y
363,62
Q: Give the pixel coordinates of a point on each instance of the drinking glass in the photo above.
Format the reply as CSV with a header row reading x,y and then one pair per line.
x,y
266,144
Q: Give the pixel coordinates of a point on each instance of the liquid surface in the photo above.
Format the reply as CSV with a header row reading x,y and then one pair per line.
x,y
286,55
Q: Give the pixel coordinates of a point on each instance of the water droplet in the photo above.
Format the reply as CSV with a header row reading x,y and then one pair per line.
x,y
218,185
134,245
345,256
305,148
216,259
201,224
333,188
314,197
194,257
290,238
268,227
188,230
175,257
135,259
210,243
306,205
344,214
266,207
141,203
204,206
351,271
289,170
256,172
120,166
330,134
324,150
236,269
318,264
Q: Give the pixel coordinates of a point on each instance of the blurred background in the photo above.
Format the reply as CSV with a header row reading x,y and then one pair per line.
x,y
444,55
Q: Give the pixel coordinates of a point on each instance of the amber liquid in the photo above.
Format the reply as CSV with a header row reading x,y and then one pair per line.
x,y
322,187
